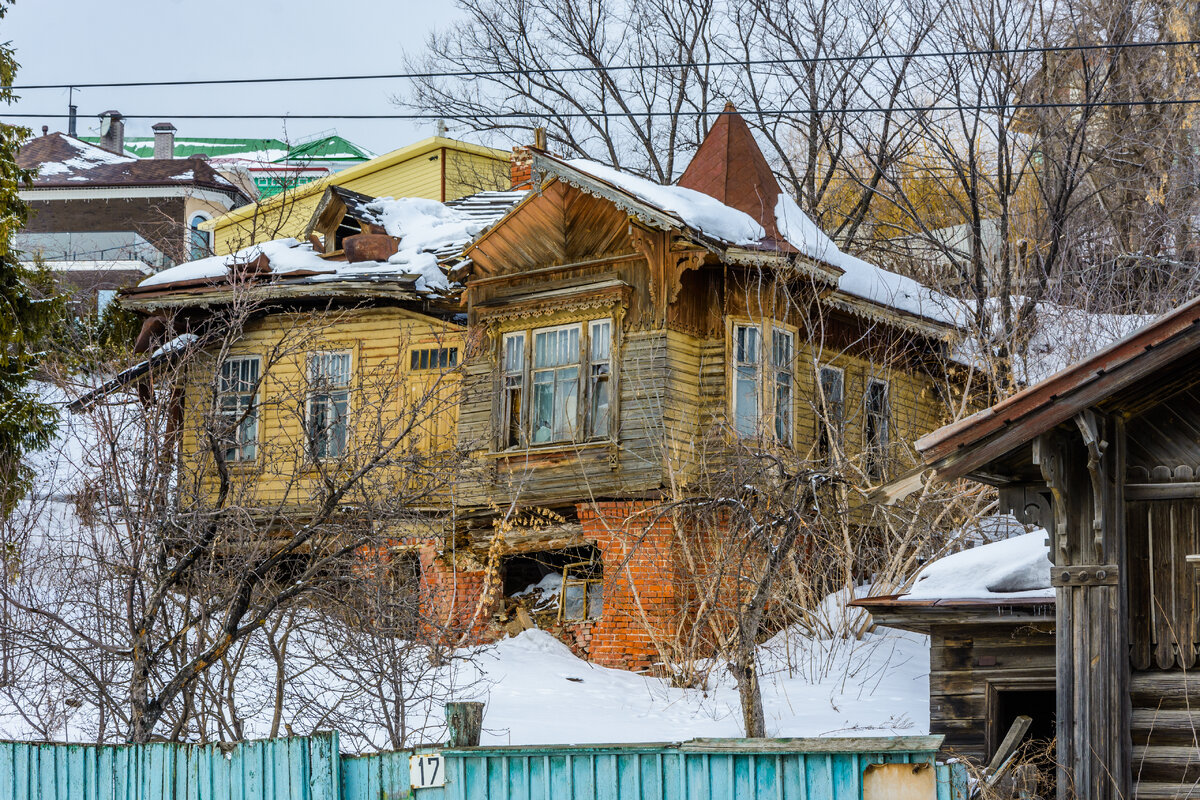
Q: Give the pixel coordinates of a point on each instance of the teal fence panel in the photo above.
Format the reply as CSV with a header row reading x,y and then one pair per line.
x,y
734,769
306,768
311,768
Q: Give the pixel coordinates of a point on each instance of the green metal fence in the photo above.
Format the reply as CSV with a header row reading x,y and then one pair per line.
x,y
310,768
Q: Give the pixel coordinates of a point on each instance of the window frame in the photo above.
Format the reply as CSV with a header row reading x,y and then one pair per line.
x,y
195,220
310,441
826,436
235,451
420,359
766,378
875,453
514,431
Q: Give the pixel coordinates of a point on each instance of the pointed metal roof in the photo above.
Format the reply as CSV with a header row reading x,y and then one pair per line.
x,y
730,167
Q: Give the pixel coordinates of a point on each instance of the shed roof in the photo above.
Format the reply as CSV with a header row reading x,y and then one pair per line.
x,y
968,445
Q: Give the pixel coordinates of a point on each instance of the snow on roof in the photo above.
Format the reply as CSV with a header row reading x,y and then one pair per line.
x,y
428,231
713,218
1007,569
88,156
696,209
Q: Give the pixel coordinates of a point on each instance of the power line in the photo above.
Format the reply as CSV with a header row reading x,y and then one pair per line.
x,y
535,115
518,71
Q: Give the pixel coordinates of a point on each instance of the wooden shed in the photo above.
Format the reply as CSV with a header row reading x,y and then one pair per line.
x,y
990,660
1104,455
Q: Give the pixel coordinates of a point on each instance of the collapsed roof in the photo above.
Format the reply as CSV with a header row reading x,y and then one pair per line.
x,y
428,239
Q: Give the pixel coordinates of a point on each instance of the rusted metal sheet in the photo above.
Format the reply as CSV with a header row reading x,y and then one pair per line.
x,y
899,782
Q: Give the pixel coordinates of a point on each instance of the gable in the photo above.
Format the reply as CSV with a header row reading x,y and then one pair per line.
x,y
559,225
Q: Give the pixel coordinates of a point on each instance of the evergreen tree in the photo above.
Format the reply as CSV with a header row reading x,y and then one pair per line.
x,y
26,423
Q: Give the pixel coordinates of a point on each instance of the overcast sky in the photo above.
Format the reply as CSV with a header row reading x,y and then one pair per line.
x,y
60,41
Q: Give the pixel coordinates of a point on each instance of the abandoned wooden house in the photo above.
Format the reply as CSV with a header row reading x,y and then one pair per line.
x,y
1103,455
609,337
628,331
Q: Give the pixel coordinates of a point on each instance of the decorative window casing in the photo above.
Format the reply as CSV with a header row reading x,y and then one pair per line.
x,y
831,411
556,384
876,424
763,380
328,411
237,406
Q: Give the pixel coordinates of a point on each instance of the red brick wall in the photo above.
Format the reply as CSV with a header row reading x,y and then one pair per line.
x,y
641,598
450,595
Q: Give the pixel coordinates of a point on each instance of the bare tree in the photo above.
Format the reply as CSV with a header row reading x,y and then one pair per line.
x,y
193,534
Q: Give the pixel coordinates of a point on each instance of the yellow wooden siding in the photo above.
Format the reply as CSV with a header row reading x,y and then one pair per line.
x,y
385,395
468,173
419,176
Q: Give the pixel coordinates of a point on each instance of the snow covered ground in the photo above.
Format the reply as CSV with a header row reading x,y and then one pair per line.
x,y
542,693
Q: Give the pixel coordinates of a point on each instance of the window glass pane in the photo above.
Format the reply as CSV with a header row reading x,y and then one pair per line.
x,y
746,379
236,387
543,407
566,402
514,352
746,401
601,343
746,349
556,347
783,409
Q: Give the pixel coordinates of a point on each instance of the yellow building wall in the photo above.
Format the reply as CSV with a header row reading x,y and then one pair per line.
x,y
386,397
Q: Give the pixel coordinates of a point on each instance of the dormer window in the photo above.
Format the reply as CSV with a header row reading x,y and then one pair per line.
x,y
565,371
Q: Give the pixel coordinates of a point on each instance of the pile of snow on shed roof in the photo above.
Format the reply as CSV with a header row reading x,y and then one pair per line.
x,y
1011,568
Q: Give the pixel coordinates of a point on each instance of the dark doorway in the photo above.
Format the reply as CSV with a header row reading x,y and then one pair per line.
x,y
1038,704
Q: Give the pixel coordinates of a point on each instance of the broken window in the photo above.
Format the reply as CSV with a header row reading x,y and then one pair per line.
x,y
831,411
556,586
328,403
876,428
513,367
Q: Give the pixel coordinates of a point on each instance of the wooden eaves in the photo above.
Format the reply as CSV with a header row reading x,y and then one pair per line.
x,y
921,614
965,448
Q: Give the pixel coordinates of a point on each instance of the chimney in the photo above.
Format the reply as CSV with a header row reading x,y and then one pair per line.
x,y
520,166
72,113
112,132
164,140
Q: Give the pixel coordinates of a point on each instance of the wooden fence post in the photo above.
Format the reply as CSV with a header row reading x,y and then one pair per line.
x,y
464,722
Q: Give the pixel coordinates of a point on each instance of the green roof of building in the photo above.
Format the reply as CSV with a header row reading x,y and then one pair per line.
x,y
328,148
325,148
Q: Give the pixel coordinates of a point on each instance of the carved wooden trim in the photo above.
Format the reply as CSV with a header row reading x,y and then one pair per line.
x,y
1047,457
1089,428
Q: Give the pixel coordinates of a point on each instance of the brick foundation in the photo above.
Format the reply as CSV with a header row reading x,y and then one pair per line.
x,y
642,595
640,587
